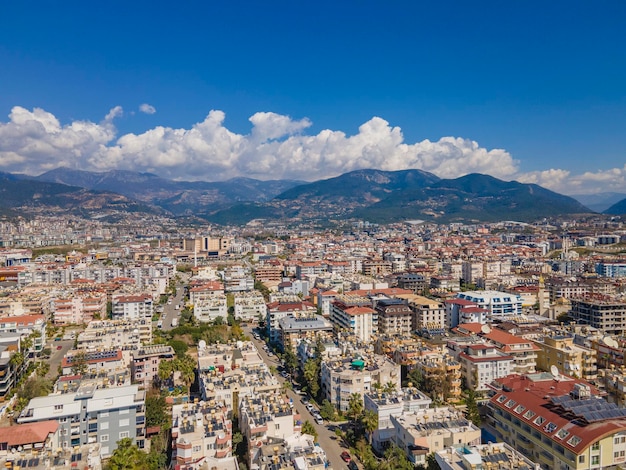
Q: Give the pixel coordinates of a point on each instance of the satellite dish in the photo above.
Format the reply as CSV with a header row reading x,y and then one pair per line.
x,y
485,329
554,370
202,344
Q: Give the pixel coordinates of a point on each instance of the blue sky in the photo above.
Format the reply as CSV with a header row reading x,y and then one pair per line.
x,y
534,91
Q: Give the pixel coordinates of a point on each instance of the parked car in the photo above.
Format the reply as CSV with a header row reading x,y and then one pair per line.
x,y
352,465
345,455
319,419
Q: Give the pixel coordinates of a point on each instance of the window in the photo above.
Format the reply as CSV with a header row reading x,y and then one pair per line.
x,y
104,414
124,422
581,459
510,403
501,399
529,414
58,407
539,420
104,438
124,434
104,425
595,446
562,434
519,408
595,460
574,441
124,411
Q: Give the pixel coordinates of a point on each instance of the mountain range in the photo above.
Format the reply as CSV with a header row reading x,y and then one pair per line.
x,y
373,195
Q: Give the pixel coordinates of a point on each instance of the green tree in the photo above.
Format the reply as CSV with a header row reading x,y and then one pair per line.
x,y
127,456
291,361
218,321
327,410
431,463
180,347
79,363
369,421
472,412
312,376
165,370
355,406
35,387
186,365
156,411
308,428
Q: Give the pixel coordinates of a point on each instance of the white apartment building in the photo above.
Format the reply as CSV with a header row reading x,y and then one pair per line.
x,y
385,404
498,304
342,377
201,435
209,309
249,305
111,334
132,307
481,363
431,430
355,315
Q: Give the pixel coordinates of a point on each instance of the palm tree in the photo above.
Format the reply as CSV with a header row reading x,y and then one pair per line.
x,y
187,368
355,406
369,421
389,387
308,428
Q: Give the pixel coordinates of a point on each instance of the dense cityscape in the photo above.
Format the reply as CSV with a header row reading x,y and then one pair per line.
x,y
276,347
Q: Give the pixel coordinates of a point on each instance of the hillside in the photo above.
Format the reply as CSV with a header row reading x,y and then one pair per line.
x,y
619,208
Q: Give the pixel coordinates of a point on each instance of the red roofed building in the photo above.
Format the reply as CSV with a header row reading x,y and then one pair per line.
x,y
42,435
560,423
524,351
132,306
481,363
355,315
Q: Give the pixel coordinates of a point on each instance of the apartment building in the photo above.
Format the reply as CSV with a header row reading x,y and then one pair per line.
x,y
354,314
607,313
431,430
92,415
25,326
558,422
132,306
249,306
293,329
498,304
144,366
205,291
93,362
491,455
524,351
202,436
395,317
480,363
110,334
460,311
276,310
10,371
78,309
385,404
427,313
267,415
342,377
570,358
209,309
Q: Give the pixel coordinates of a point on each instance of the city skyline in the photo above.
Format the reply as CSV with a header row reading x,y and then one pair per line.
x,y
529,92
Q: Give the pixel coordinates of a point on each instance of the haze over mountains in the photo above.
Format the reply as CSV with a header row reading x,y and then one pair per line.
x,y
374,195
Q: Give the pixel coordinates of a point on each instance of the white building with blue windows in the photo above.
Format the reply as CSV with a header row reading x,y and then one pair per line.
x,y
498,304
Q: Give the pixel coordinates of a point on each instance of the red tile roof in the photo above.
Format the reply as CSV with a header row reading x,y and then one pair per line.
x,y
30,433
534,392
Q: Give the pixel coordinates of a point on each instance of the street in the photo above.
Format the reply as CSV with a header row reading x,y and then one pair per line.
x,y
325,436
169,310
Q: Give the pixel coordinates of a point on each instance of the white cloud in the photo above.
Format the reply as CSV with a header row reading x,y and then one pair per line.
x,y
147,108
276,148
